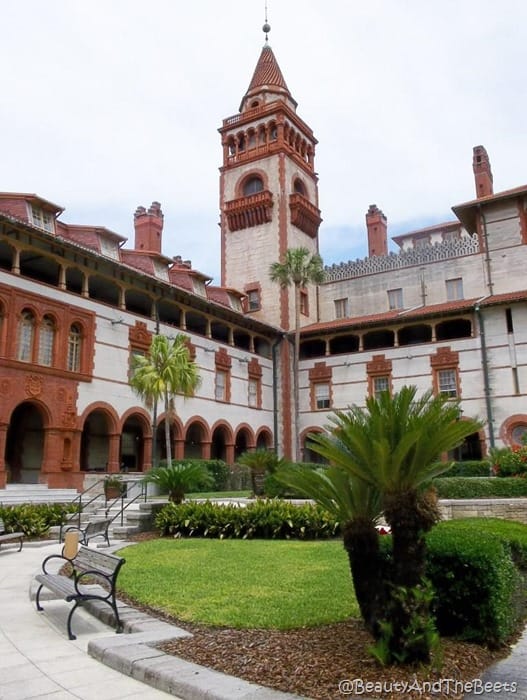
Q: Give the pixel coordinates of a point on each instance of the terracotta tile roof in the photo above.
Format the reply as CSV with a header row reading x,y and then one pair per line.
x,y
267,72
446,308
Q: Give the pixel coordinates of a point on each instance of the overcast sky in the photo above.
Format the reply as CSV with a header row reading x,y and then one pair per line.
x,y
110,104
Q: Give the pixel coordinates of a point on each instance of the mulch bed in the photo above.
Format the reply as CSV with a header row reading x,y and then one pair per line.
x,y
312,662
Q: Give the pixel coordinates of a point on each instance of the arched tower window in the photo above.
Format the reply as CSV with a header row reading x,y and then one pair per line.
x,y
299,186
46,340
74,348
26,336
253,185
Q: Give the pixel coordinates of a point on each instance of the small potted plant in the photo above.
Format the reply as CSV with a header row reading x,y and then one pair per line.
x,y
113,487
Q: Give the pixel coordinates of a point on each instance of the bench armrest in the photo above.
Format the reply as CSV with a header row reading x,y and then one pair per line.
x,y
54,556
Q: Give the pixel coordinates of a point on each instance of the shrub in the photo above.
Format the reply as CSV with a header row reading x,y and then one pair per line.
x,y
478,587
511,462
178,478
479,467
480,487
35,519
218,470
262,519
274,489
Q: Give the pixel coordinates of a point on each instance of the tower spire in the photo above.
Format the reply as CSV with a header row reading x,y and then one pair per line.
x,y
267,27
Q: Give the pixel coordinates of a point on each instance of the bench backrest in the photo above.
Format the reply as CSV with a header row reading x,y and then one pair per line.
x,y
95,526
88,559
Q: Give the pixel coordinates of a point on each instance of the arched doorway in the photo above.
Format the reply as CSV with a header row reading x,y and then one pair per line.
x,y
132,453
95,442
24,449
194,441
243,442
470,449
264,441
220,438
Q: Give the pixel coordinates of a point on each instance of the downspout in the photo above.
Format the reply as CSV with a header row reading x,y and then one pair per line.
x,y
487,255
486,381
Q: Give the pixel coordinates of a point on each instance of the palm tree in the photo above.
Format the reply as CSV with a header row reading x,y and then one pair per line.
x,y
178,478
394,446
300,268
167,370
357,507
260,462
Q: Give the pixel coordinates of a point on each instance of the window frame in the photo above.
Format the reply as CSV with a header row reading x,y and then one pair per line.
x,y
395,299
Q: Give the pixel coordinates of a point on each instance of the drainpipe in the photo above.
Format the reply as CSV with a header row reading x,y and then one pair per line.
x,y
487,255
486,382
275,390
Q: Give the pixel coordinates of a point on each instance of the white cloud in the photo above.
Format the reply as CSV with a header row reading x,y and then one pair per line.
x,y
114,103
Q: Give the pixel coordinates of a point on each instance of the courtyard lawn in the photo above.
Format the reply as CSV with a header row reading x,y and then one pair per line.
x,y
218,495
242,583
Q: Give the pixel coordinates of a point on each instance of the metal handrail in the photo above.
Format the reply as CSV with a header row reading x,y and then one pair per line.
x,y
142,494
87,503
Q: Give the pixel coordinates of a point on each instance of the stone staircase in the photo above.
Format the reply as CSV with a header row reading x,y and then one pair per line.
x,y
14,494
137,517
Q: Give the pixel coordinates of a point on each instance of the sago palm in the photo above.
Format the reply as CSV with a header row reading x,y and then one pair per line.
x,y
179,478
394,445
165,371
299,268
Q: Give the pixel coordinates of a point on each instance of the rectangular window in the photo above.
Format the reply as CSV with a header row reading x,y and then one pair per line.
x,y
380,384
253,393
42,219
395,299
341,308
447,382
220,386
253,300
322,399
454,289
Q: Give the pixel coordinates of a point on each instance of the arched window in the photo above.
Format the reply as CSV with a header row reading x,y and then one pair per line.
x,y
26,336
46,339
299,186
74,348
253,185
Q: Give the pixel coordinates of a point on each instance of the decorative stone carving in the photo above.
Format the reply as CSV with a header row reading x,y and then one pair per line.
x,y
33,385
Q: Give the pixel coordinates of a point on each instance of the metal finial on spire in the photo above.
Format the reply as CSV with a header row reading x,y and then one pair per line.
x,y
267,27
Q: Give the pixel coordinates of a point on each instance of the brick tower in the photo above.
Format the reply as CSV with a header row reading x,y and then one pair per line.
x,y
268,194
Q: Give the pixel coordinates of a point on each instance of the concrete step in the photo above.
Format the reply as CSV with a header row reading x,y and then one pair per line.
x,y
15,494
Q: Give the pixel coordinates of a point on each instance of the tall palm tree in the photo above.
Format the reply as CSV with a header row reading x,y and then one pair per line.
x,y
299,268
394,445
165,371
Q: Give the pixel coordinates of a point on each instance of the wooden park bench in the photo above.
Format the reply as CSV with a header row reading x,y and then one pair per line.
x,y
93,578
97,528
10,536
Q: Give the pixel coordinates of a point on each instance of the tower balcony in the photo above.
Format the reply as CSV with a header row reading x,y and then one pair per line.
x,y
248,211
304,215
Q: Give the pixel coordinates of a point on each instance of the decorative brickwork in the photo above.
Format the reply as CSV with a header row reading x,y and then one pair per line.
x,y
254,210
304,215
456,248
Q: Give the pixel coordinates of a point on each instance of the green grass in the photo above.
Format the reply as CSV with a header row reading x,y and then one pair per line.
x,y
243,584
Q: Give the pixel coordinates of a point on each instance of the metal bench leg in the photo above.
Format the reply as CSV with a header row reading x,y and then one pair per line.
x,y
37,598
70,633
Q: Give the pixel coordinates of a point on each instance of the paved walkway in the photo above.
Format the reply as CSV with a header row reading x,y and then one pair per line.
x,y
37,660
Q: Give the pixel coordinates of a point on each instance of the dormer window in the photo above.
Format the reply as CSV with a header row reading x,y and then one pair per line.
x,y
42,219
199,287
252,186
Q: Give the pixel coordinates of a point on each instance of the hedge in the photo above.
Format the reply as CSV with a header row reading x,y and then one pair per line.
x,y
479,587
35,519
476,467
262,519
480,487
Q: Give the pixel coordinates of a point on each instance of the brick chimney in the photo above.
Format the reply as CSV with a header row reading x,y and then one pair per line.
x,y
377,231
148,228
482,172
